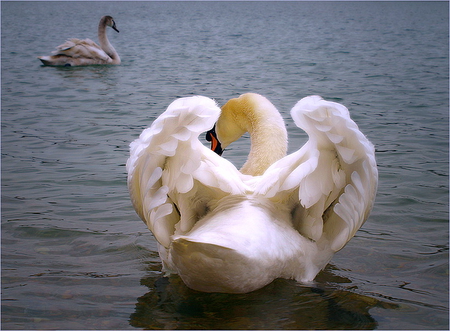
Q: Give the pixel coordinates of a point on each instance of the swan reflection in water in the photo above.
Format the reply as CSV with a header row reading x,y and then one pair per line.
x,y
283,304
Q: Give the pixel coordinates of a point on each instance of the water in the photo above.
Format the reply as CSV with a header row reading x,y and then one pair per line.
x,y
74,253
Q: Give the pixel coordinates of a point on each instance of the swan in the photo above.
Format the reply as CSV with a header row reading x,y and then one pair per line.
x,y
78,52
227,230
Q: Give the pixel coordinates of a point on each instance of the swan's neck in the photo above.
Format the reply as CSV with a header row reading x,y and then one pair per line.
x,y
105,44
268,144
256,115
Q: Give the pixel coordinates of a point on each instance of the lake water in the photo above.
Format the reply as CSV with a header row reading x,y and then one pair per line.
x,y
74,253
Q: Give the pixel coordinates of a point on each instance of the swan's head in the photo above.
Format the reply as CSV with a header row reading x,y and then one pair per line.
x,y
256,115
109,21
238,116
232,124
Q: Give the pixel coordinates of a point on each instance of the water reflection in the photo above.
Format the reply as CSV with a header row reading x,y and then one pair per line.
x,y
283,304
87,75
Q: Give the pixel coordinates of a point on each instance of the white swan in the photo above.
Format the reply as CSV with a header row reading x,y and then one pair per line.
x,y
77,52
225,231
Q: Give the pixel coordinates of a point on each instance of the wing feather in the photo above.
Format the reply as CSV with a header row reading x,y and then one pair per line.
x,y
331,182
81,48
172,177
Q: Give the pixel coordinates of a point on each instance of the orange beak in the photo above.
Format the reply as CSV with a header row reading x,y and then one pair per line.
x,y
215,143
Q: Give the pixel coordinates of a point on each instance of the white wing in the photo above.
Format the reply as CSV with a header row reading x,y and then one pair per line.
x,y
172,178
330,183
81,48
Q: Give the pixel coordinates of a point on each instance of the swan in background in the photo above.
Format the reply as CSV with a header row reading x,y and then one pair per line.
x,y
225,230
77,52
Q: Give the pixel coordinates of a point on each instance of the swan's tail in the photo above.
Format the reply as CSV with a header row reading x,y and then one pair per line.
x,y
46,60
214,268
56,60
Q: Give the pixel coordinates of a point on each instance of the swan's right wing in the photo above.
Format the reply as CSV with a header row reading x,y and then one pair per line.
x,y
172,177
330,183
81,48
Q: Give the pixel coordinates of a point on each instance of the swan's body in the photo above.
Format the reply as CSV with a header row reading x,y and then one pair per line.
x,y
77,52
225,231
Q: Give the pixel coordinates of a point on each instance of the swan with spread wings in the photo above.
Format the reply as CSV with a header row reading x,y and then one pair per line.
x,y
228,230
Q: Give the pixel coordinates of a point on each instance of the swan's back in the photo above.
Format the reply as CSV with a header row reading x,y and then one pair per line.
x,y
77,48
77,52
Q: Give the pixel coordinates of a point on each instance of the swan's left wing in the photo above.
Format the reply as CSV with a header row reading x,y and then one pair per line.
x,y
330,183
172,177
84,48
